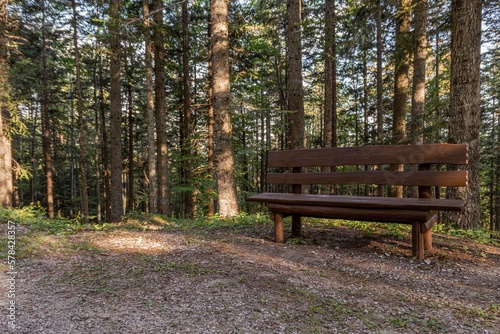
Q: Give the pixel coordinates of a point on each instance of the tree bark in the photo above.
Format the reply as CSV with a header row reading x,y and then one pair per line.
x,y
419,69
115,122
465,106
81,124
330,113
150,112
186,113
46,137
401,81
295,98
161,119
6,186
221,99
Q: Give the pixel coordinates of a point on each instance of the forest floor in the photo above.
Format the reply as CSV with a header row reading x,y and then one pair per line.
x,y
152,275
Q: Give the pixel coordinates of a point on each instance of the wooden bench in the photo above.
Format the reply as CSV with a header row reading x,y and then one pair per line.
x,y
366,165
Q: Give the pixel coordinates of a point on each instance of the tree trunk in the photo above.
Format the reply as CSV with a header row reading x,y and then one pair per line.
x,y
115,122
401,82
330,113
46,138
419,69
161,119
465,107
104,147
295,91
81,124
295,98
150,112
380,87
221,99
186,171
210,134
5,139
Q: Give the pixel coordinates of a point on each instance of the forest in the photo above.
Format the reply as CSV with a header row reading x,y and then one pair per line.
x,y
113,106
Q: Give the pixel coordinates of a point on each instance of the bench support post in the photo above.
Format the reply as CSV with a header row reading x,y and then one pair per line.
x,y
417,238
296,226
279,231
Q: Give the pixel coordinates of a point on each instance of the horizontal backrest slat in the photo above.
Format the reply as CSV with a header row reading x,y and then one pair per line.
x,y
456,178
453,154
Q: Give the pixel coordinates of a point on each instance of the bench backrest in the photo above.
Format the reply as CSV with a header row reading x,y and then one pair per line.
x,y
421,155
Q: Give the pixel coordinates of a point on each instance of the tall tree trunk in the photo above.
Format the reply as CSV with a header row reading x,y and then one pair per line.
x,y
380,91
186,113
5,139
465,107
46,138
295,91
419,69
330,117
104,147
150,111
81,124
130,192
97,141
295,96
115,121
161,119
401,82
210,132
221,99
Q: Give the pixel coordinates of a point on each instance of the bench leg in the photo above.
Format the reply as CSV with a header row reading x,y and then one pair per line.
x,y
428,240
417,239
296,226
279,232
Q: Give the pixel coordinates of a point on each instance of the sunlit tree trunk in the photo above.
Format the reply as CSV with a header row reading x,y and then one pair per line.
x,y
224,154
150,112
465,102
115,122
401,81
5,140
419,70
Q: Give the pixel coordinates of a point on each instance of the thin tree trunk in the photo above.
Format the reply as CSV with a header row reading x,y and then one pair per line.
x,y
5,141
210,132
380,90
465,106
104,147
130,192
115,122
161,122
186,111
150,111
96,141
330,74
221,98
81,124
46,138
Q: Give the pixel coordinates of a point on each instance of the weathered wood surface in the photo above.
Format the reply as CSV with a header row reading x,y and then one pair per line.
x,y
424,204
456,178
453,154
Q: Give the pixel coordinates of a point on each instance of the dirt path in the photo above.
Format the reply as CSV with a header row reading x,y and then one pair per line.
x,y
227,281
